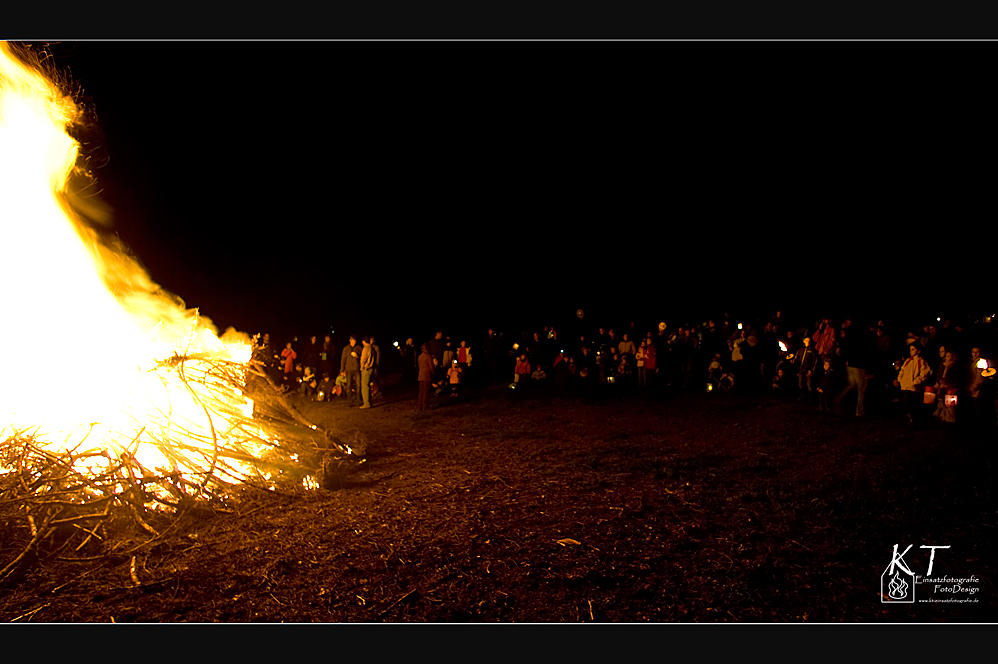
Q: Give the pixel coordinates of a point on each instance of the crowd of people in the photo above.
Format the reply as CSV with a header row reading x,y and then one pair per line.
x,y
833,366
311,373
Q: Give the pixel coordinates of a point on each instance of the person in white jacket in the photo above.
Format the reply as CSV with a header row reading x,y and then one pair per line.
x,y
912,378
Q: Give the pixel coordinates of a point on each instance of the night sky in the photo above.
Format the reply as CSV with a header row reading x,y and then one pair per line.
x,y
300,187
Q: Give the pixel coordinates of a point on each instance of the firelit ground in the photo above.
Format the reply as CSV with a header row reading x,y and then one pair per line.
x,y
543,507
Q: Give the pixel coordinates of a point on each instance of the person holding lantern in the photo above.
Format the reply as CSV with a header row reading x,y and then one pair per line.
x,y
975,380
325,388
947,387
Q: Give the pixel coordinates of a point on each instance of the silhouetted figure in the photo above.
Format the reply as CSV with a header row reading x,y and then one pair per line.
x,y
427,368
350,366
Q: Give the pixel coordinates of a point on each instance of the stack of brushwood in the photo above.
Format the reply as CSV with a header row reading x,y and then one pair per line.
x,y
98,503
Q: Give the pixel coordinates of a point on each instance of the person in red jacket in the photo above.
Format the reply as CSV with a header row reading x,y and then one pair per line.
x,y
646,362
824,338
522,370
289,356
463,357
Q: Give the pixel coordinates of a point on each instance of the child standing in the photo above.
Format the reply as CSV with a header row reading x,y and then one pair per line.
x,y
639,358
826,386
454,374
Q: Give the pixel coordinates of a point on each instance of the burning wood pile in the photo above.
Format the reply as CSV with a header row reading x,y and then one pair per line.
x,y
92,502
155,412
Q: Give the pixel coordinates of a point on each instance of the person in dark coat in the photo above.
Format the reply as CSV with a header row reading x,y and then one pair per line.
x,y
327,356
806,361
410,361
859,352
310,354
490,354
559,370
827,383
535,349
325,388
425,376
586,365
435,347
350,366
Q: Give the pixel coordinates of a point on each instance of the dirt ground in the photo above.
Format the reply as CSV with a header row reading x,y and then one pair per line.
x,y
614,506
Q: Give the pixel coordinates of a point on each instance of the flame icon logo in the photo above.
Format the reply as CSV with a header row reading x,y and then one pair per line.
x,y
897,583
898,587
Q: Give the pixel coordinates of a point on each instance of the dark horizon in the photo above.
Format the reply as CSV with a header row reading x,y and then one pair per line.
x,y
276,192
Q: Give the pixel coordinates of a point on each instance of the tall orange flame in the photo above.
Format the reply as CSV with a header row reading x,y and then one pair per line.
x,y
92,347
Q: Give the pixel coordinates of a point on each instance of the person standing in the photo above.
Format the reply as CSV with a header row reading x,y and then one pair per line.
x,y
454,376
289,355
377,358
310,356
824,338
490,350
327,356
975,380
948,383
436,347
449,356
350,367
858,350
464,360
639,358
651,360
912,377
626,346
367,366
535,349
806,360
410,361
376,376
425,362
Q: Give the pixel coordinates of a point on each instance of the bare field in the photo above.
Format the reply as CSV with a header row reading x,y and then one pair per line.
x,y
562,507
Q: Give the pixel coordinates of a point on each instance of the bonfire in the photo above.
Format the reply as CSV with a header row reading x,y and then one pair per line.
x,y
117,405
